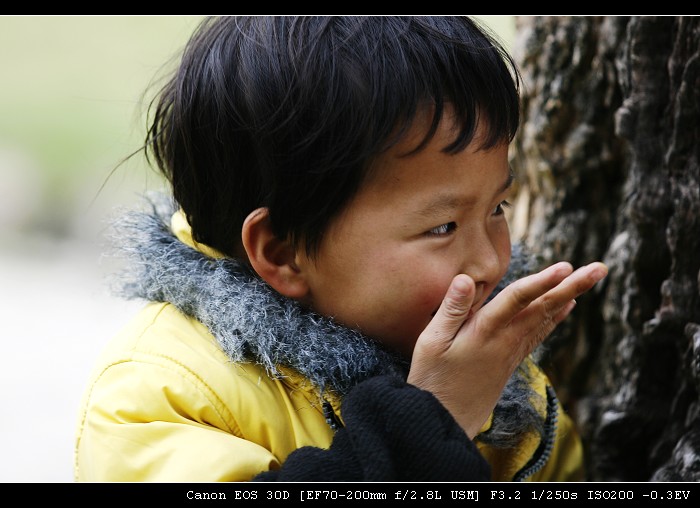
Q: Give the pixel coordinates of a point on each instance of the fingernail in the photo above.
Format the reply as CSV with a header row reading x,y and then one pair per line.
x,y
601,268
460,286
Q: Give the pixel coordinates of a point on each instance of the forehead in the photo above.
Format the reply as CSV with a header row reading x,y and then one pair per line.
x,y
431,183
426,157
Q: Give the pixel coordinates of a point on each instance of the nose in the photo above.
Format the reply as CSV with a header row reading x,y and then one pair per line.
x,y
485,258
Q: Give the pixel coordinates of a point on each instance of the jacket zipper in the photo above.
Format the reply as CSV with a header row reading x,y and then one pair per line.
x,y
331,418
544,451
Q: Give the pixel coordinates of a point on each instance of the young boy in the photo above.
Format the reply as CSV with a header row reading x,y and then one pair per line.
x,y
326,297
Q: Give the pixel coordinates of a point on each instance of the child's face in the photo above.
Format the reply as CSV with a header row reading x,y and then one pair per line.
x,y
386,262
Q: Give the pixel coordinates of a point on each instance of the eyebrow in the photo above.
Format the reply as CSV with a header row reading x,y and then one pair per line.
x,y
446,202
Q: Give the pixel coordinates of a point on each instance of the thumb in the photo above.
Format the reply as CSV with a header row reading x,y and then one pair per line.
x,y
453,311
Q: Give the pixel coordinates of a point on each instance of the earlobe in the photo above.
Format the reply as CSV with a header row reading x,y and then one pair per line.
x,y
272,259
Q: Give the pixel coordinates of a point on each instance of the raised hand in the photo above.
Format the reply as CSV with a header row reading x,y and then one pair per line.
x,y
465,358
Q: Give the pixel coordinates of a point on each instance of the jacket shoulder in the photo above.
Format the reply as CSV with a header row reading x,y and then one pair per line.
x,y
164,370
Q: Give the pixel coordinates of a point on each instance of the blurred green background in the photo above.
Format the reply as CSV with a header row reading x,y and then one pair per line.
x,y
71,108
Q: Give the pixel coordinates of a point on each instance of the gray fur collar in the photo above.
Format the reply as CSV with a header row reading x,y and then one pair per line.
x,y
253,323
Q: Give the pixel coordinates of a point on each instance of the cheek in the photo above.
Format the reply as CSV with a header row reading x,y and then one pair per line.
x,y
419,303
406,299
504,250
430,295
420,282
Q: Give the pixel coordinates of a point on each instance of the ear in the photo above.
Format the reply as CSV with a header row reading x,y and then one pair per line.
x,y
270,257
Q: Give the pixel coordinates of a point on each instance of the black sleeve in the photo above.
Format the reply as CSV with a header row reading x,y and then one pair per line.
x,y
393,432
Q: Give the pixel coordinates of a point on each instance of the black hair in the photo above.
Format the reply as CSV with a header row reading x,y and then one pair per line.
x,y
289,112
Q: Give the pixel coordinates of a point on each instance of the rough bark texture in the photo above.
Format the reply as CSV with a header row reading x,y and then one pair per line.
x,y
609,169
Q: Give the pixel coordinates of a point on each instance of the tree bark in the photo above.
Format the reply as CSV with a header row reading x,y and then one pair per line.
x,y
608,165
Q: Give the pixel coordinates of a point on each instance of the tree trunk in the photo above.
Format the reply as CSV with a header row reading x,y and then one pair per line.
x,y
608,165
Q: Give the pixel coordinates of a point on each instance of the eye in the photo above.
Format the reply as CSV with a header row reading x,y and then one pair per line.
x,y
443,229
500,208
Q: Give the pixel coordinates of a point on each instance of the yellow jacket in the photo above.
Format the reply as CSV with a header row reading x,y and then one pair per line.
x,y
166,404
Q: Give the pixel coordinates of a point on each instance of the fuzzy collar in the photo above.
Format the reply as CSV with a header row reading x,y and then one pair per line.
x,y
254,323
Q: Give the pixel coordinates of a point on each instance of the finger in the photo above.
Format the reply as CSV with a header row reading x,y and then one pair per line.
x,y
453,311
546,325
546,312
572,287
521,293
